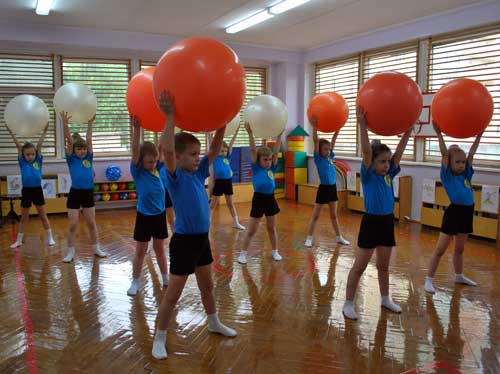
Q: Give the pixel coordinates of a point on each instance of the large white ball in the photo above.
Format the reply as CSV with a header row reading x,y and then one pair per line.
x,y
26,115
267,116
77,100
232,126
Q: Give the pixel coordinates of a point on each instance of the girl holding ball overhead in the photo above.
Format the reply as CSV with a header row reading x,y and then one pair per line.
x,y
327,191
79,158
378,169
30,162
456,176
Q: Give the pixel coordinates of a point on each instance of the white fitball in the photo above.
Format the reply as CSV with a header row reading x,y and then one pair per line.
x,y
267,116
77,100
232,126
26,115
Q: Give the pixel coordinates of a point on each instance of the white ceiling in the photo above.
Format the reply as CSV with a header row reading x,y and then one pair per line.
x,y
312,24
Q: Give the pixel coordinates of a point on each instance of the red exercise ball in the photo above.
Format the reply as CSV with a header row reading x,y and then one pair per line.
x,y
330,109
104,187
115,196
392,102
132,196
207,81
122,186
462,108
141,101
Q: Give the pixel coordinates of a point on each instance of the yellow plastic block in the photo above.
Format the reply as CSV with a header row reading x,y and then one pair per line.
x,y
296,149
279,175
295,144
300,175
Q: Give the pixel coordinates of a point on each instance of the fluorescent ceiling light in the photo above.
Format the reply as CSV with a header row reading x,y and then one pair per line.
x,y
254,19
285,5
43,7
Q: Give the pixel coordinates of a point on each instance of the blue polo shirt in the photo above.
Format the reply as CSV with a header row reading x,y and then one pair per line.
x,y
326,168
458,186
31,172
263,179
150,189
190,200
81,171
377,189
222,167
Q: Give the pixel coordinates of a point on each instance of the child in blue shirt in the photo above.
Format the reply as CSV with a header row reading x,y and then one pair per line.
x,y
189,246
378,170
30,162
327,190
79,158
150,221
223,184
263,202
456,176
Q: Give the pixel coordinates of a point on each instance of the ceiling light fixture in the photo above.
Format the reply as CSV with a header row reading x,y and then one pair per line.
x,y
43,7
286,5
254,19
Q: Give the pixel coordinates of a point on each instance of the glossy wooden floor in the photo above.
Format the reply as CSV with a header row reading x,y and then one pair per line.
x,y
60,318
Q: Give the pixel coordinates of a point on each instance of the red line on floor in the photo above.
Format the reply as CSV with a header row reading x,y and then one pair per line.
x,y
23,304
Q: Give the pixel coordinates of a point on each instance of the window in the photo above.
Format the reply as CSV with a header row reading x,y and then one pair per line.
x,y
473,55
256,85
402,59
341,76
109,80
26,74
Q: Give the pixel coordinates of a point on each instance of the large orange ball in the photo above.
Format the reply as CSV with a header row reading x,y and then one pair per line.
x,y
462,108
330,109
207,81
141,101
392,102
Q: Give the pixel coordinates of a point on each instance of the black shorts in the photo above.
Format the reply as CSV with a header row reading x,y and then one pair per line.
x,y
376,231
223,187
150,226
32,195
326,193
80,198
263,203
168,200
458,219
189,251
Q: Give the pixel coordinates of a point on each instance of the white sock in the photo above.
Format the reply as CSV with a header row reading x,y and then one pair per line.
x,y
276,255
164,277
98,251
349,311
70,255
159,345
242,258
341,240
309,241
391,305
134,288
50,238
215,325
428,286
460,278
19,240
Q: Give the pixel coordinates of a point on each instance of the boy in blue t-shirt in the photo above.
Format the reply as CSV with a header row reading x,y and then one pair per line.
x,y
456,176
327,190
30,162
189,246
79,158
223,184
150,221
378,169
264,165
